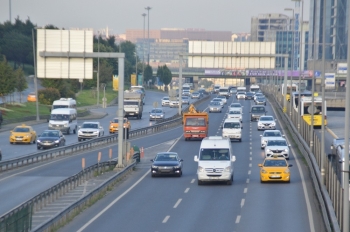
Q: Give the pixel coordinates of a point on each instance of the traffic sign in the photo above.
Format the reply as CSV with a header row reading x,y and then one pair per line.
x,y
155,104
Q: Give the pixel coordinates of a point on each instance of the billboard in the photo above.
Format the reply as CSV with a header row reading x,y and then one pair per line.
x,y
329,80
133,79
342,68
257,72
64,41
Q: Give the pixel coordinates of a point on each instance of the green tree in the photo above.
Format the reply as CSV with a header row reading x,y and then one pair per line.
x,y
148,73
7,80
21,83
164,75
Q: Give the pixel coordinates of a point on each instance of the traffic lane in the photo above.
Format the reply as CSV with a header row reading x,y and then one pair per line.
x,y
18,150
39,177
162,196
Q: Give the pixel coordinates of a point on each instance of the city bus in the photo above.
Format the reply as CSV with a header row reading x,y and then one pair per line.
x,y
306,110
292,89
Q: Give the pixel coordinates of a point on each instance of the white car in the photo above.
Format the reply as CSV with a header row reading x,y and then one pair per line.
x,y
258,95
277,146
165,101
90,130
235,106
223,98
174,103
235,113
218,100
269,134
266,122
240,95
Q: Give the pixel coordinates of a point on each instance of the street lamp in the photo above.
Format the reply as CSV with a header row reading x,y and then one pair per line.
x,y
143,49
98,70
148,8
292,64
10,10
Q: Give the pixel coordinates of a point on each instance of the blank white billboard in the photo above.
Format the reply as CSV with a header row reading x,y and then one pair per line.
x,y
66,41
229,47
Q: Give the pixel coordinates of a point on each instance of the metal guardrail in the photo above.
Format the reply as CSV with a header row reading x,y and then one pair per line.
x,y
312,158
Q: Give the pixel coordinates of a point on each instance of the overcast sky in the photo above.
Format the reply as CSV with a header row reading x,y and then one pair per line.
x,y
119,15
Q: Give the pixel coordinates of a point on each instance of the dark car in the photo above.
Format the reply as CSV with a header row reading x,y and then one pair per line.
x,y
256,112
50,139
203,91
249,96
166,163
0,155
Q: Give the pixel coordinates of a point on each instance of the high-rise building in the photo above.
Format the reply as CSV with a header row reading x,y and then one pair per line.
x,y
335,31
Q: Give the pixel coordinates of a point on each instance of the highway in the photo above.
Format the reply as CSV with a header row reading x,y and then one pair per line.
x,y
36,178
143,203
18,150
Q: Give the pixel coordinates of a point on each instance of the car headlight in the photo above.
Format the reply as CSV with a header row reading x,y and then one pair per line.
x,y
268,150
28,135
176,167
66,124
227,169
79,132
57,141
38,141
161,115
188,131
201,131
50,125
111,126
286,171
273,124
200,169
95,132
263,171
286,150
155,167
260,124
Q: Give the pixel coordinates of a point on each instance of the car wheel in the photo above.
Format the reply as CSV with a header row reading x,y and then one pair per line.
x,y
38,147
240,140
11,142
34,140
75,130
199,182
68,131
153,175
79,140
229,182
99,135
261,181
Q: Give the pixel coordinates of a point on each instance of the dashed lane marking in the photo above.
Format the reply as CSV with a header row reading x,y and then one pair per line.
x,y
177,203
193,180
242,202
238,219
247,181
188,189
249,172
166,219
245,190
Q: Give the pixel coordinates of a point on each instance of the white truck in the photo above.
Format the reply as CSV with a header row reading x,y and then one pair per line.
x,y
133,104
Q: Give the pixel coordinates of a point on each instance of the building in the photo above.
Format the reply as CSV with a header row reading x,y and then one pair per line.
x,y
335,31
164,46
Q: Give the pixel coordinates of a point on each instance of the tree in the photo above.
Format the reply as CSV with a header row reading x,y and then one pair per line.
x,y
148,73
164,75
7,80
21,83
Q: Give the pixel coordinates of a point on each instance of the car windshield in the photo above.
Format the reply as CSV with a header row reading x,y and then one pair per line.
x,y
276,143
195,122
117,120
59,106
165,98
241,92
231,125
217,99
275,163
272,134
214,103
90,125
250,94
131,103
266,119
157,111
234,112
261,98
21,129
214,154
235,105
49,134
166,157
258,109
59,117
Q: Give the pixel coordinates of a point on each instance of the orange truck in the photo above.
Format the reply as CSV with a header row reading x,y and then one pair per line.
x,y
195,124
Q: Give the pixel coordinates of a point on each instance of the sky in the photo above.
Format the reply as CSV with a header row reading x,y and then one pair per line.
x,y
120,15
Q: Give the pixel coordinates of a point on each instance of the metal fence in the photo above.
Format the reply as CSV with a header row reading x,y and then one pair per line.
x,y
329,194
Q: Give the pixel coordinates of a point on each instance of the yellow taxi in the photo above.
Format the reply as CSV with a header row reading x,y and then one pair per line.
x,y
113,125
23,134
31,97
275,168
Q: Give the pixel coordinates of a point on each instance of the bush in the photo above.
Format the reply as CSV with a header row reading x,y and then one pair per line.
x,y
48,95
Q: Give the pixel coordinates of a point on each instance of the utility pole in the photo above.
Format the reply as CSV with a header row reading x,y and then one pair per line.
x,y
98,70
143,50
148,8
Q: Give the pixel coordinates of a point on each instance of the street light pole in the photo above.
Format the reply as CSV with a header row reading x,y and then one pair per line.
x,y
143,50
10,11
98,70
313,82
292,65
323,90
148,8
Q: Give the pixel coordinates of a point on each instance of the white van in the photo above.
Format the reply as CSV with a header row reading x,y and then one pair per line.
x,y
64,103
241,88
64,120
215,160
232,129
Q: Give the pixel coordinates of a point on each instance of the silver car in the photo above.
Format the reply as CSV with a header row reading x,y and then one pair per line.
x,y
218,100
215,107
156,113
277,146
185,100
266,122
165,101
269,134
235,113
240,95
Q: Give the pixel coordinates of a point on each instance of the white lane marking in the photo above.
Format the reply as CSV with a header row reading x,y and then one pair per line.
x,y
188,189
166,219
250,153
250,158
122,195
247,181
177,203
242,202
250,165
245,190
193,180
249,172
238,219
306,195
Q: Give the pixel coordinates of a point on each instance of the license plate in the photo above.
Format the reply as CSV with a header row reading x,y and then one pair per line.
x,y
275,176
213,178
194,135
131,113
47,144
19,139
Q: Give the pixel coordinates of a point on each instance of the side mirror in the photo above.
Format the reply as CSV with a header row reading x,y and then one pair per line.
x,y
259,165
340,161
221,127
332,147
289,145
79,127
196,158
242,127
283,135
233,158
181,160
100,127
275,119
290,165
151,160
